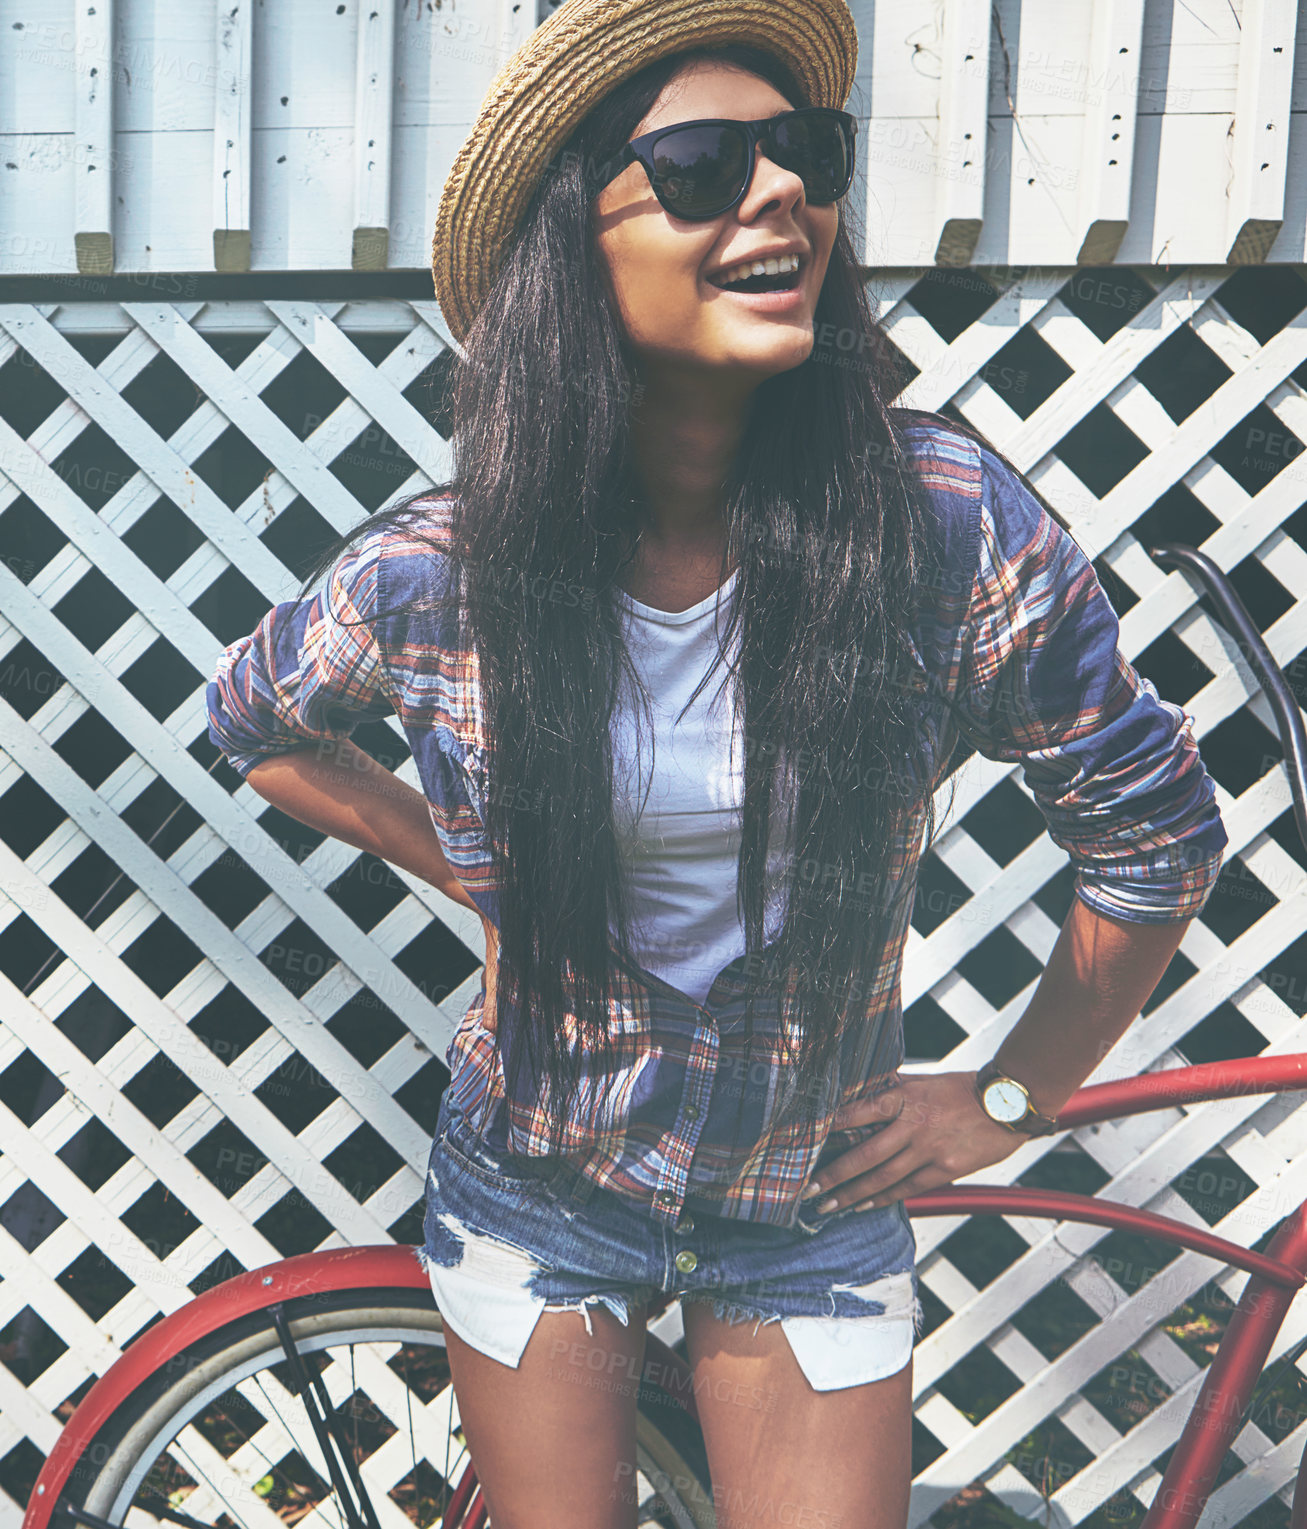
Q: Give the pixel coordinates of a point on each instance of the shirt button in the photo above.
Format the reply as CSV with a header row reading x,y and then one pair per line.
x,y
686,1261
692,1112
666,1197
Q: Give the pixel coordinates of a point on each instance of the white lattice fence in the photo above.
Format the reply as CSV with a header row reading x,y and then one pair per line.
x,y
227,1057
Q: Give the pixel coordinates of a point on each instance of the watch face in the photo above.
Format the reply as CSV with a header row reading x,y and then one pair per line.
x,y
1005,1101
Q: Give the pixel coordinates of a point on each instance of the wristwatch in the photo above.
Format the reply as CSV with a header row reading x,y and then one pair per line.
x,y
1006,1101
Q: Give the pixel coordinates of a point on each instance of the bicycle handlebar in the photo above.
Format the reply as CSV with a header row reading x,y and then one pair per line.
x,y
1196,1084
1279,695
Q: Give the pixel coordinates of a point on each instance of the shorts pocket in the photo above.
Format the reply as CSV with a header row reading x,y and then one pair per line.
x,y
808,1219
469,1156
907,1225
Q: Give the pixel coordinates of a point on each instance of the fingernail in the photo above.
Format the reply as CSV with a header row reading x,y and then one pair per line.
x,y
825,1205
810,1189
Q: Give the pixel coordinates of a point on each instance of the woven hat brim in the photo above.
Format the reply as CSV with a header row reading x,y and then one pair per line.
x,y
570,62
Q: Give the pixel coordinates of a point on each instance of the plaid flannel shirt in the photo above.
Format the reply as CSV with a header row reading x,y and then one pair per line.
x,y
1018,633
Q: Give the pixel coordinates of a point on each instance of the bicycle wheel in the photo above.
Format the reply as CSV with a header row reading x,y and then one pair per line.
x,y
337,1409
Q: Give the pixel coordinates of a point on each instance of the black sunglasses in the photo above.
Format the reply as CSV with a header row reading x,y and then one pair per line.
x,y
703,168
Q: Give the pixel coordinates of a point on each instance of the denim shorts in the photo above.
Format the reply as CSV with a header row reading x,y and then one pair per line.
x,y
504,1239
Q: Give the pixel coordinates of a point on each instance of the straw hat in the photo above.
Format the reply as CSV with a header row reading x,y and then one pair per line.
x,y
566,65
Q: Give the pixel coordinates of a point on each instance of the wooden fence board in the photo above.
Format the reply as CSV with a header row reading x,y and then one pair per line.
x,y
283,138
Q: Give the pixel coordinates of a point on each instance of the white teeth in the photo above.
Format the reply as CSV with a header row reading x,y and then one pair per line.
x,y
772,266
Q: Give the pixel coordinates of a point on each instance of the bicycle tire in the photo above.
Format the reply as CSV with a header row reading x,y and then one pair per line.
x,y
107,1479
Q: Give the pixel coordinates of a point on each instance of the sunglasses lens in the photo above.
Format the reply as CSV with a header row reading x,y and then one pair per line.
x,y
700,169
813,145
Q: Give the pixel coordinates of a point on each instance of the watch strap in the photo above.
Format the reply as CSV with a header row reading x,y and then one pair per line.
x,y
1033,1123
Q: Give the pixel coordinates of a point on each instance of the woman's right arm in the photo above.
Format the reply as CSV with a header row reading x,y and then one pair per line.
x,y
282,705
344,792
352,797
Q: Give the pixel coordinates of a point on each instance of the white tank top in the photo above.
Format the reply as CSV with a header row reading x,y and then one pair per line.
x,y
681,841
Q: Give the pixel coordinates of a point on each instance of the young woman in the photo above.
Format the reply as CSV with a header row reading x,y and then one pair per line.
x,y
682,650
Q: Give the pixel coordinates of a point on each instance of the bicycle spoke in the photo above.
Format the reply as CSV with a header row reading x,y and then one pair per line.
x,y
449,1436
354,1391
94,1521
378,1400
358,1381
313,1394
408,1408
293,1439
266,1464
183,1452
445,1406
175,1516
345,1453
290,1438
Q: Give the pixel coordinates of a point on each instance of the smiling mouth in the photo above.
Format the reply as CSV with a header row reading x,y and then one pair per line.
x,y
782,281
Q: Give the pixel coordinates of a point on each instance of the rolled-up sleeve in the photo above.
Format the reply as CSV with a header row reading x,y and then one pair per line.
x,y
1114,769
311,670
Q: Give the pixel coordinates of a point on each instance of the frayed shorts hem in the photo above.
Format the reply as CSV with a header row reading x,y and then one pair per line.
x,y
498,1318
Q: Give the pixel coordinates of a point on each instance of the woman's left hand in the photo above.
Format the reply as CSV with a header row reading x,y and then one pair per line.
x,y
938,1132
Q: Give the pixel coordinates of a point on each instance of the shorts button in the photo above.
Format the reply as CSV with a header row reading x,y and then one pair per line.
x,y
685,1224
686,1261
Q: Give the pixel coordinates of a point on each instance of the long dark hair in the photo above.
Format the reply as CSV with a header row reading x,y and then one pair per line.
x,y
833,541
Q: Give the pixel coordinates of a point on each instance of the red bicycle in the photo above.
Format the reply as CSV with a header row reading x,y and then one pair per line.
x,y
319,1388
